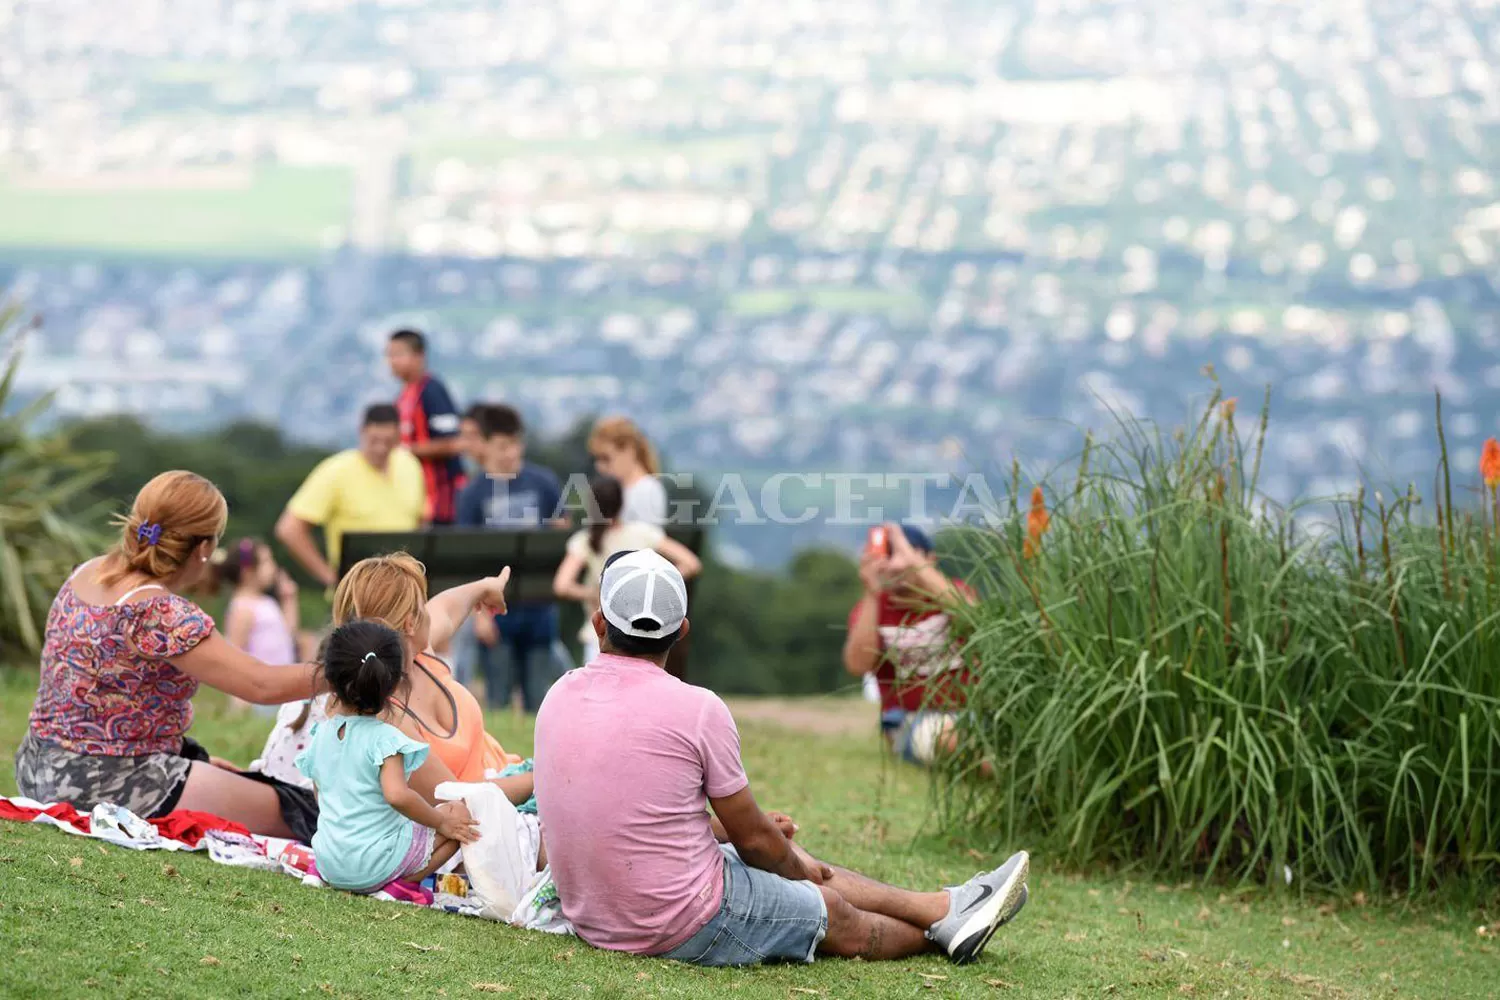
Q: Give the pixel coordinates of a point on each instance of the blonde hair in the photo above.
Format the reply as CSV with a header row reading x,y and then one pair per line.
x,y
621,432
172,515
392,588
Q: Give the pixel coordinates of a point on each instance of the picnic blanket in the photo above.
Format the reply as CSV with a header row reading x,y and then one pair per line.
x,y
231,844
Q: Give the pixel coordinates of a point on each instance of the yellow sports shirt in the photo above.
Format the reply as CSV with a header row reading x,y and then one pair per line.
x,y
346,493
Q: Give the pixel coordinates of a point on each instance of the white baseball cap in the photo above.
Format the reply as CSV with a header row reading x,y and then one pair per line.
x,y
642,595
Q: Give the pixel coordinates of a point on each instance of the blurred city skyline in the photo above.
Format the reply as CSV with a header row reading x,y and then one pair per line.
x,y
855,236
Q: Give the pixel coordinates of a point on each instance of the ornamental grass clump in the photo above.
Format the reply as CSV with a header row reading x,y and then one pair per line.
x,y
1172,670
41,477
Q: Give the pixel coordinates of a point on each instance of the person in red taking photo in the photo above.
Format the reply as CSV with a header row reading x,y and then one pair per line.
x,y
900,632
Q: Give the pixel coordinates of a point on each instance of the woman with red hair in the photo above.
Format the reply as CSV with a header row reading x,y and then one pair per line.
x,y
123,655
622,452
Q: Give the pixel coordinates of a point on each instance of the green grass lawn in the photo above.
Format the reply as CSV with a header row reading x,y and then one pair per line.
x,y
77,918
284,211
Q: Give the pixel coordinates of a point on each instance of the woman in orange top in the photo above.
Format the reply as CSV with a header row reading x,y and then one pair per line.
x,y
439,710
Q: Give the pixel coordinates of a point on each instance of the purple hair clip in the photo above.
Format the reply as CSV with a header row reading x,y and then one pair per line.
x,y
148,533
247,552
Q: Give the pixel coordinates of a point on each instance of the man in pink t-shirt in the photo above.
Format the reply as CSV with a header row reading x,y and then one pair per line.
x,y
629,760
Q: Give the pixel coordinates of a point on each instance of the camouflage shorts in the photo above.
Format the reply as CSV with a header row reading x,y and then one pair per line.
x,y
148,786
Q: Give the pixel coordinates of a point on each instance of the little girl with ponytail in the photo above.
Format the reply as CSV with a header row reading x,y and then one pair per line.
x,y
373,829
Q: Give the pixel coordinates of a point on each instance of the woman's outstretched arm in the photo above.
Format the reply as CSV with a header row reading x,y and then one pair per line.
x,y
449,609
217,663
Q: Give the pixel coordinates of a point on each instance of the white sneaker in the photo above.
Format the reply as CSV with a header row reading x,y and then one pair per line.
x,y
979,907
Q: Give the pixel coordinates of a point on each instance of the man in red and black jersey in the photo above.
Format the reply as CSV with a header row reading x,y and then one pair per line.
x,y
429,423
900,632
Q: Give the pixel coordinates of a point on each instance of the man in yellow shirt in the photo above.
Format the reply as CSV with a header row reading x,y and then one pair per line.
x,y
375,487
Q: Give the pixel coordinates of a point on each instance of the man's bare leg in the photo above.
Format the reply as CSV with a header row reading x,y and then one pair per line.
x,y
919,909
856,933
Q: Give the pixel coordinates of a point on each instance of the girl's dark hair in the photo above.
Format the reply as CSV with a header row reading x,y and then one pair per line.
x,y
239,559
364,662
609,500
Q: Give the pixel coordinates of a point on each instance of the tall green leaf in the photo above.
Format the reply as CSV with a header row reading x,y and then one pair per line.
x,y
41,475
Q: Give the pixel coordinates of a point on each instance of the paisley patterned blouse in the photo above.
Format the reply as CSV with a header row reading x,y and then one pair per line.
x,y
107,686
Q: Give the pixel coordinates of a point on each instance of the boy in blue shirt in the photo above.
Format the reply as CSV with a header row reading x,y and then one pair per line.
x,y
513,494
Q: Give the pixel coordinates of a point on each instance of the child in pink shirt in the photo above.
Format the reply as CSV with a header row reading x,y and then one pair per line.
x,y
263,625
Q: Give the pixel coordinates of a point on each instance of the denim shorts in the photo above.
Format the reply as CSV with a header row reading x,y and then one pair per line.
x,y
763,918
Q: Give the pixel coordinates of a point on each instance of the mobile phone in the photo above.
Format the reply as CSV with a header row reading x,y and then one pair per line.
x,y
879,542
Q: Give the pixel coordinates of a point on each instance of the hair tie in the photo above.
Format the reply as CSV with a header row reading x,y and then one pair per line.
x,y
148,533
247,552
369,657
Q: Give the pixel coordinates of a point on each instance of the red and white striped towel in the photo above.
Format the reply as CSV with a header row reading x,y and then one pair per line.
x,y
182,830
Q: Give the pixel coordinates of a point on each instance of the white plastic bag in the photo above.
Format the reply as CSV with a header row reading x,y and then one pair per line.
x,y
495,862
119,825
540,908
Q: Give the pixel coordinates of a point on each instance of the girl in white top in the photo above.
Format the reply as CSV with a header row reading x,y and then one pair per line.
x,y
622,452
608,532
